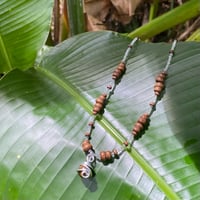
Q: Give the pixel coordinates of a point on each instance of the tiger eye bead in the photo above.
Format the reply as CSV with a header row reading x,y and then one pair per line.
x,y
86,146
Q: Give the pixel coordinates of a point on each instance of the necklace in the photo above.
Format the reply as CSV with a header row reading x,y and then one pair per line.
x,y
87,169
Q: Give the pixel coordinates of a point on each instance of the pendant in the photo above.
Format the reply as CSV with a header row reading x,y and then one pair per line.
x,y
86,170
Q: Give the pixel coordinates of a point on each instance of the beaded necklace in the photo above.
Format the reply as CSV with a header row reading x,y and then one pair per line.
x,y
87,169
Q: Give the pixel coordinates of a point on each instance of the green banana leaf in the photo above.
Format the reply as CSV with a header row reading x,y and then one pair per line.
x,y
76,17
24,27
45,111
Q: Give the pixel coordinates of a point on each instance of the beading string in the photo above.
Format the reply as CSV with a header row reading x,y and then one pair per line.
x,y
87,169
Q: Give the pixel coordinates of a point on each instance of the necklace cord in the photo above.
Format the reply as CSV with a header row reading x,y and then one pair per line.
x,y
87,169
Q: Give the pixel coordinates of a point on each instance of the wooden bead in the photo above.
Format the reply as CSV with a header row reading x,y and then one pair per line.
x,y
119,71
141,125
99,105
126,143
158,88
108,155
137,128
143,119
160,83
103,156
122,67
86,146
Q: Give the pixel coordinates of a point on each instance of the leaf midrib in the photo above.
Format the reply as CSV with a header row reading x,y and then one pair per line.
x,y
105,123
5,54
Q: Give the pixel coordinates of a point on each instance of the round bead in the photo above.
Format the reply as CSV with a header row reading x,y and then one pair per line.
x,y
143,119
119,71
102,156
137,127
121,67
116,154
108,155
100,104
126,143
160,83
86,145
100,100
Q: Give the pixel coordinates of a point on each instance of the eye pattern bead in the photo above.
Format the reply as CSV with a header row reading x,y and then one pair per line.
x,y
100,104
119,71
160,83
141,125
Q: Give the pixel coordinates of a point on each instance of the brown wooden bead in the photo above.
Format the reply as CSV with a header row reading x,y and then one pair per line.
x,y
161,77
141,125
158,88
138,127
122,67
100,100
103,156
86,145
108,155
126,143
143,119
100,104
119,71
160,83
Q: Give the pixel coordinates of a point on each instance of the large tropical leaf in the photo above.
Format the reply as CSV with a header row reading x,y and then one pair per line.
x,y
45,112
24,27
